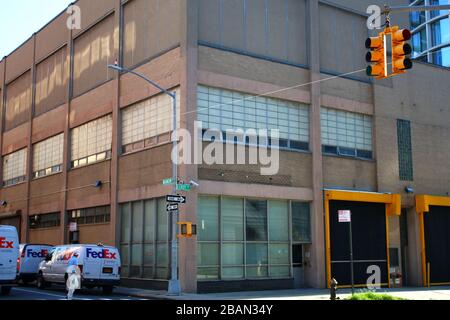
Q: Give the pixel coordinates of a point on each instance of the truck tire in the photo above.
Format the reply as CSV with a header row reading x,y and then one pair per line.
x,y
41,283
108,290
5,290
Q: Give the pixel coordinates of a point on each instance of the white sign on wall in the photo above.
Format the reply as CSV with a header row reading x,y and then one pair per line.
x,y
345,216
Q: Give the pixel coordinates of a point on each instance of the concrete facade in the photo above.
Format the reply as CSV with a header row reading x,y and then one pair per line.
x,y
255,47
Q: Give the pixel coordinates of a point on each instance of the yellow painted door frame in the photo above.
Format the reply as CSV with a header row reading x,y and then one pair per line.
x,y
393,208
423,203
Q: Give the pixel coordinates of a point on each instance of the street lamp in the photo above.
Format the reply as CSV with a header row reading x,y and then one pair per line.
x,y
174,282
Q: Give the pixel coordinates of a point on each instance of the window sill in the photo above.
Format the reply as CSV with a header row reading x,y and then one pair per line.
x,y
44,229
89,164
14,185
146,148
332,155
46,176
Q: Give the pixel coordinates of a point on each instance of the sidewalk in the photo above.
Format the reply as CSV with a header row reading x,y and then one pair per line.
x,y
436,293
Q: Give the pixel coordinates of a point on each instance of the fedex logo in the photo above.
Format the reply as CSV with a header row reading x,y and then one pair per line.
x,y
5,244
33,254
103,254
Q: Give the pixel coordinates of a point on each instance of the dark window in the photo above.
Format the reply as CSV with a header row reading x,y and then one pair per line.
x,y
301,222
90,215
256,220
42,221
405,162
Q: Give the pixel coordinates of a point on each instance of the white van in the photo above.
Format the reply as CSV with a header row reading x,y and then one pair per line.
x,y
9,253
99,265
31,255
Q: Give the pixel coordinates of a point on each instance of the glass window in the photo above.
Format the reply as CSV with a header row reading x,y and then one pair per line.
x,y
91,142
162,220
279,253
90,215
256,220
301,224
149,220
349,132
208,254
257,254
232,219
440,32
48,156
417,18
125,223
279,220
14,167
223,110
419,42
138,222
208,219
438,12
405,150
442,57
42,221
232,254
147,119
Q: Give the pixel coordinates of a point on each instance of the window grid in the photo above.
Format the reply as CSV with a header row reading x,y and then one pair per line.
x,y
149,118
405,161
91,142
94,215
14,167
48,156
346,133
222,109
43,221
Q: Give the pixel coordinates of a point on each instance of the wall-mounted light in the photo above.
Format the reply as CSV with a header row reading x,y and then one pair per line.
x,y
409,189
98,184
3,203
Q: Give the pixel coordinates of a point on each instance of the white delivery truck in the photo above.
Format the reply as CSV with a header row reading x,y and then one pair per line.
x,y
9,253
31,255
99,265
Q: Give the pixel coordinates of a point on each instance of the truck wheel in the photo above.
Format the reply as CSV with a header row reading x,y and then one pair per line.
x,y
6,290
108,290
41,283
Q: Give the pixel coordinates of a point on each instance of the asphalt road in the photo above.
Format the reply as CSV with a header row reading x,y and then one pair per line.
x,y
58,293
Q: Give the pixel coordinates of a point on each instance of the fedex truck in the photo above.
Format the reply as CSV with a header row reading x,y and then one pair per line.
x,y
9,253
31,255
99,266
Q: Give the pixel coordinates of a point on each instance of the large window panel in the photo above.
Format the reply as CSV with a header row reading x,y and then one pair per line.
x,y
278,221
52,75
91,142
208,219
140,16
93,51
256,220
346,133
301,222
147,119
232,219
223,110
48,156
18,101
14,168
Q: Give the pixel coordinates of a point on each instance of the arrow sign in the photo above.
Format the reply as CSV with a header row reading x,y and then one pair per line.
x,y
172,207
176,199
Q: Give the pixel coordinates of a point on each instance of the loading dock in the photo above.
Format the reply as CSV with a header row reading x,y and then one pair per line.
x,y
434,219
370,228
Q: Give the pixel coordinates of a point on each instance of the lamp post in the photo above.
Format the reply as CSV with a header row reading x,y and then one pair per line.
x,y
174,282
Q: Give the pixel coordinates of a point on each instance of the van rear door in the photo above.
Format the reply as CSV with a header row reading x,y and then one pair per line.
x,y
9,253
111,264
101,262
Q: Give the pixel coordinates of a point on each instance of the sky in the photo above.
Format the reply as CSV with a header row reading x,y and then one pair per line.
x,y
19,19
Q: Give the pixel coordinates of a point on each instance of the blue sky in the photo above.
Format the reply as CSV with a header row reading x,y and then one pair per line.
x,y
19,19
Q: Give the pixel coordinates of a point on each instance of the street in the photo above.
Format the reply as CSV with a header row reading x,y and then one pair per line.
x,y
58,293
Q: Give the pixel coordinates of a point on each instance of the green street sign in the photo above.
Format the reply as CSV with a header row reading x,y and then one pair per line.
x,y
168,181
183,187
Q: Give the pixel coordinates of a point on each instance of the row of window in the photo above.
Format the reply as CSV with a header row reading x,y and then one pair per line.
x,y
92,142
82,216
343,133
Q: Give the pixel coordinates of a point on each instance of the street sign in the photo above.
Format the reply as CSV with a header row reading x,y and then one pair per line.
x,y
183,187
168,181
73,227
172,207
345,216
176,199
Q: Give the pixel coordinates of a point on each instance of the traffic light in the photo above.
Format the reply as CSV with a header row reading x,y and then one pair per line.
x,y
400,50
376,56
187,229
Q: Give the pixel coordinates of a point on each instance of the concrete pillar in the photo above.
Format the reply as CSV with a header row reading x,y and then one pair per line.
x,y
315,271
188,86
414,249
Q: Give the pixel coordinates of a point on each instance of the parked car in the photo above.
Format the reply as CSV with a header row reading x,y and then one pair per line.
x,y
9,253
99,266
31,255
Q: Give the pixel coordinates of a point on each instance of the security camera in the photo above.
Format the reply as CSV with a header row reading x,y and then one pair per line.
x,y
194,184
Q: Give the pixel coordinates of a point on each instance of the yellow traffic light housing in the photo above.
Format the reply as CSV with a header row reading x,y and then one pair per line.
x,y
400,50
376,56
187,229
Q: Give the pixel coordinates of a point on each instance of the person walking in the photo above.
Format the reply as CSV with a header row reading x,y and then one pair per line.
x,y
73,279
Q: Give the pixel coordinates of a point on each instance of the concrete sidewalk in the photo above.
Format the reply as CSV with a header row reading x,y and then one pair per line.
x,y
436,293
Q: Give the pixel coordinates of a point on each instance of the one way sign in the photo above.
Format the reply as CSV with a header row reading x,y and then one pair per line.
x,y
176,199
172,207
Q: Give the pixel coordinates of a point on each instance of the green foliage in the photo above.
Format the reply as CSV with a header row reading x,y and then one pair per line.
x,y
372,296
